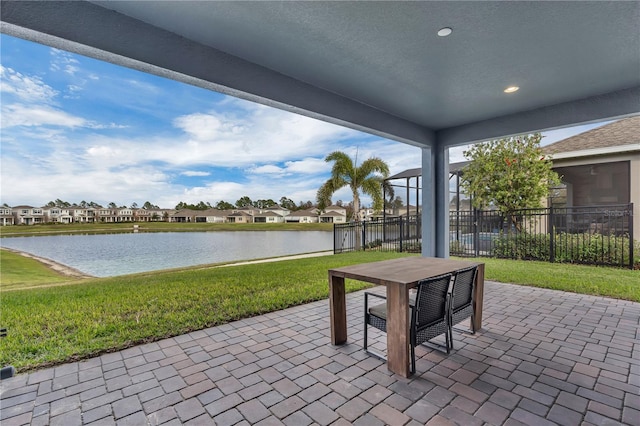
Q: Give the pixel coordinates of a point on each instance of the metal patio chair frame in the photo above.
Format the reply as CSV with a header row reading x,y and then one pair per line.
x,y
430,315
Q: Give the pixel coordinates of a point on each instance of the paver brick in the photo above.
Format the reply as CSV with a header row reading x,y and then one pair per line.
x,y
21,419
135,419
460,417
298,418
528,418
465,404
600,397
101,400
368,420
564,416
389,415
440,396
492,413
70,418
229,417
353,408
96,414
172,384
223,404
422,411
314,392
126,406
165,400
188,409
253,411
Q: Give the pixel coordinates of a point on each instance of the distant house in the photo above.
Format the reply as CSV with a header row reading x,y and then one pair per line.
x,y
268,217
58,214
124,215
278,210
333,217
600,167
303,216
83,214
240,216
367,214
184,215
334,214
402,211
142,215
28,215
211,216
6,216
107,215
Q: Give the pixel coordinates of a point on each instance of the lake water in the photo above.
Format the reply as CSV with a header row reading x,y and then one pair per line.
x,y
119,254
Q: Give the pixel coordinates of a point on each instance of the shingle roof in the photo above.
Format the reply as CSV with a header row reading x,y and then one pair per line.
x,y
303,213
268,214
620,133
334,214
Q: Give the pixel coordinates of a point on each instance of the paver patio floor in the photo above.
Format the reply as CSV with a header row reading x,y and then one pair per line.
x,y
542,357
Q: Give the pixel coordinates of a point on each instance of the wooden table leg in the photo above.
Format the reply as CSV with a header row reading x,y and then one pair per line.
x,y
478,299
337,309
397,328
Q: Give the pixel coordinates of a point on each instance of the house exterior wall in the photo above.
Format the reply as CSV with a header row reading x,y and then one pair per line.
x,y
621,186
634,190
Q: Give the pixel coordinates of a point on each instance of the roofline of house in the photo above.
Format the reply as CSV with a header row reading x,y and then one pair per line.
x,y
596,151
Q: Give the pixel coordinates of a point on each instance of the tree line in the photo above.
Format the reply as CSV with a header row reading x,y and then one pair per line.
x,y
244,201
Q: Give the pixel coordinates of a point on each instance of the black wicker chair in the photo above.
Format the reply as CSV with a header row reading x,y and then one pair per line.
x,y
462,299
429,315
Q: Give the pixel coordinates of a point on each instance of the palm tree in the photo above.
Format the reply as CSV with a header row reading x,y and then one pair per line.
x,y
367,177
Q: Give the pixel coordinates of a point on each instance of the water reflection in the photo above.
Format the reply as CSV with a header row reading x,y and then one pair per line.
x,y
103,255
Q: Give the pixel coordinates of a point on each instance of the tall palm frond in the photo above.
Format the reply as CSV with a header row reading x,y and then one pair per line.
x,y
367,177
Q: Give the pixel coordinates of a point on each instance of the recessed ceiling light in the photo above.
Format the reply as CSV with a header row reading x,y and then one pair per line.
x,y
443,32
511,89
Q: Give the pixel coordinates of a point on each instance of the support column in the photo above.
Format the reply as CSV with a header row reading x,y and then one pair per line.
x,y
435,202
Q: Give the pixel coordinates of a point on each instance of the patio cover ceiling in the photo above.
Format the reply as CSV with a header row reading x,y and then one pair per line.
x,y
379,67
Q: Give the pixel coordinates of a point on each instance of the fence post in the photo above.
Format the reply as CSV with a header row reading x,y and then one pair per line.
x,y
401,233
364,235
552,237
630,235
476,233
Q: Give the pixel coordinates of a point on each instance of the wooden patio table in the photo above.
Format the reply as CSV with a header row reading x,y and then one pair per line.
x,y
398,276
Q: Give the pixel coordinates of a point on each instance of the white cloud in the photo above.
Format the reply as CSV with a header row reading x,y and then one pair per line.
x,y
104,152
195,173
26,88
253,135
94,125
307,166
64,61
201,127
26,115
27,183
267,169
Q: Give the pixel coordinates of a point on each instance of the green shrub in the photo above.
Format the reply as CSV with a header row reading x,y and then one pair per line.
x,y
522,246
456,248
568,248
592,249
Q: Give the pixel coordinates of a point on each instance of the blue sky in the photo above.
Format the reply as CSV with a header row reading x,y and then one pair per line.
x,y
78,129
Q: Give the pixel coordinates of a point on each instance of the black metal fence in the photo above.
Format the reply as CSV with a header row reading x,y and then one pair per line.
x,y
393,234
597,235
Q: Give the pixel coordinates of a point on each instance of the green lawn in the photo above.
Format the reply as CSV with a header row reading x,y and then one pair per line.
x,y
62,323
57,324
17,272
595,280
